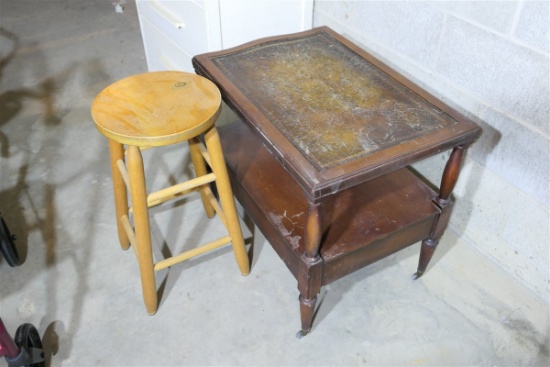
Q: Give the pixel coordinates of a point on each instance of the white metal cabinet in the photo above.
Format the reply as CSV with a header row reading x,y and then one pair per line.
x,y
174,31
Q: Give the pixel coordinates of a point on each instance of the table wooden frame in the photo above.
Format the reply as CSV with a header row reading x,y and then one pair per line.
x,y
325,239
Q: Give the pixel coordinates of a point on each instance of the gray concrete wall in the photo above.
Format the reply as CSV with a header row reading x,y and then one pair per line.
x,y
489,60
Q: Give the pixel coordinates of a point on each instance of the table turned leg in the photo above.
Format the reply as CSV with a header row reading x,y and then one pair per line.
x,y
307,310
309,276
444,202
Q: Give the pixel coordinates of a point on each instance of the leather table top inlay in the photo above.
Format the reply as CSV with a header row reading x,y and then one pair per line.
x,y
333,105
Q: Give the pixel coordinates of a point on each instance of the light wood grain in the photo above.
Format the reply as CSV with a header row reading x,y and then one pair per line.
x,y
156,109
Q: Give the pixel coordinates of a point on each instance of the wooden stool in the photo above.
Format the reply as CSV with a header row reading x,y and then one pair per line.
x,y
157,109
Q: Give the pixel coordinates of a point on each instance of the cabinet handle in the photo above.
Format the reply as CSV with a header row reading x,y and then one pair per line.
x,y
168,64
168,15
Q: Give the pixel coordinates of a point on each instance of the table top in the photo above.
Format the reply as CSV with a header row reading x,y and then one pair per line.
x,y
330,113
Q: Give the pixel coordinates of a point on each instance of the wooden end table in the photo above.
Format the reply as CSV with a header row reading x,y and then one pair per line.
x,y
320,163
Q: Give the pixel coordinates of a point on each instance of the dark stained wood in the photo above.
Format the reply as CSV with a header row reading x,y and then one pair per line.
x,y
313,232
309,285
365,255
448,182
320,160
450,175
365,223
332,113
307,308
426,252
354,218
443,219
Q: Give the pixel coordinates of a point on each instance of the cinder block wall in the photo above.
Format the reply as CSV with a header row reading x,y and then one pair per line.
x,y
489,60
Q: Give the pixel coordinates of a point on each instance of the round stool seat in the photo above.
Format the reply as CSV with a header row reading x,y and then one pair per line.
x,y
156,108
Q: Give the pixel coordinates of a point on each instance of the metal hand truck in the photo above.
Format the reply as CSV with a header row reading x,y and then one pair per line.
x,y
26,348
7,244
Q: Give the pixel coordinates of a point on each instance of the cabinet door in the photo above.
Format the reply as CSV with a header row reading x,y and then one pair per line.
x,y
173,31
246,20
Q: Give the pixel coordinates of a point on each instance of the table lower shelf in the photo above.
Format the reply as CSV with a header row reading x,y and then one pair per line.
x,y
362,224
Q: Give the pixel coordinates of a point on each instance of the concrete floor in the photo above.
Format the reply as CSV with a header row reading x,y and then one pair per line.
x,y
83,292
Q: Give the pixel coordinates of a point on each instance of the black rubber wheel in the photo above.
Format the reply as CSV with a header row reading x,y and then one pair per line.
x,y
7,245
27,336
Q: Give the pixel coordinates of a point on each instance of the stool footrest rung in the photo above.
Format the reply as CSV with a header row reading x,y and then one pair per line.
x,y
151,203
124,172
162,264
129,229
158,197
205,154
203,151
192,253
216,205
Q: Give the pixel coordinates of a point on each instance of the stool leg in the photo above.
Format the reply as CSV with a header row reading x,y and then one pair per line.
x,y
141,223
226,197
121,195
200,170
